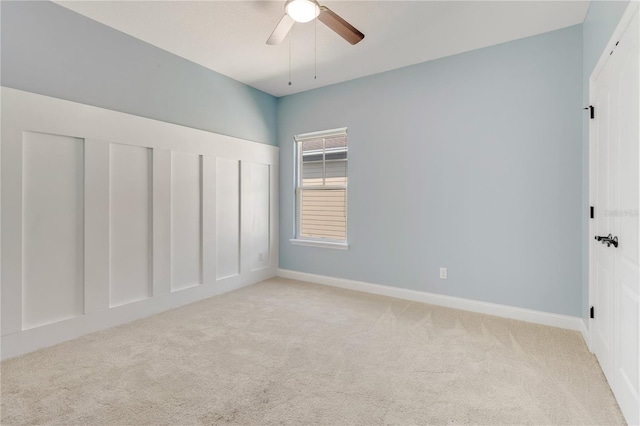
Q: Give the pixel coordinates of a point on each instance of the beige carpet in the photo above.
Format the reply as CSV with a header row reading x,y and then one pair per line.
x,y
286,352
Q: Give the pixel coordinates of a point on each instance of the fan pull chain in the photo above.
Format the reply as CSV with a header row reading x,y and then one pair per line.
x,y
315,49
290,37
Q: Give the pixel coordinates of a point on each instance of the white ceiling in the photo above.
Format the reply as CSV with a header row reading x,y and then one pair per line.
x,y
229,36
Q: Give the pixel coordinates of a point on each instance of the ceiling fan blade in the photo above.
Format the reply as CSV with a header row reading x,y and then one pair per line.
x,y
339,25
281,30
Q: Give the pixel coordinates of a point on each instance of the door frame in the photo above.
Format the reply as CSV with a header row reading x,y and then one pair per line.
x,y
622,26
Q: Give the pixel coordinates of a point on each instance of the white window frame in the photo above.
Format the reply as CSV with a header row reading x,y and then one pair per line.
x,y
298,239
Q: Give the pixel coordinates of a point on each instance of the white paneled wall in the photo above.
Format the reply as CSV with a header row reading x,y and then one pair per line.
x,y
227,218
186,220
109,217
259,193
130,207
52,228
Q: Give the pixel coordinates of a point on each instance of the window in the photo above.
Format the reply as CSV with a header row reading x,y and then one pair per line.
x,y
321,188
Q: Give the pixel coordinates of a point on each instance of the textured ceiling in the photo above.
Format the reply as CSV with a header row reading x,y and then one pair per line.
x,y
229,36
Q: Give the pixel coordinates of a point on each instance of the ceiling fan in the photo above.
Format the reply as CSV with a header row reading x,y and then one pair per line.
x,y
307,10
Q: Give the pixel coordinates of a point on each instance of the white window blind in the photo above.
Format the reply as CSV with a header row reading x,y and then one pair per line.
x,y
321,192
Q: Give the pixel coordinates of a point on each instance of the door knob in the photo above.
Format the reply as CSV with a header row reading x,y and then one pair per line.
x,y
608,240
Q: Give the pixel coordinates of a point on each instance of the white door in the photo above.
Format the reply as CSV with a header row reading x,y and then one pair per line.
x,y
615,271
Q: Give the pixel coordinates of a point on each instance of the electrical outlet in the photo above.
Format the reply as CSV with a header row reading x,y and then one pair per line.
x,y
443,273
260,256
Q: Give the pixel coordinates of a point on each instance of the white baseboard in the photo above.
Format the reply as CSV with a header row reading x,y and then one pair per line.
x,y
26,341
584,329
504,311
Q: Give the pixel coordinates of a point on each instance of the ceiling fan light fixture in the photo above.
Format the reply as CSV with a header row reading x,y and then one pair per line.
x,y
302,10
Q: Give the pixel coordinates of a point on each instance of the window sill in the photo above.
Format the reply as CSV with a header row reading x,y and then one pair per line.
x,y
316,243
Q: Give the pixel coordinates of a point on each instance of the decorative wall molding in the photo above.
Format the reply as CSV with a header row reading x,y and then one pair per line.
x,y
511,312
109,217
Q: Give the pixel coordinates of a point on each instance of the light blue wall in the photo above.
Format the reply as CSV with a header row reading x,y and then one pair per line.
x,y
449,159
50,50
472,162
599,24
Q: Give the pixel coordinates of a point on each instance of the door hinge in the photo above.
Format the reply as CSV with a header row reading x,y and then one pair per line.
x,y
591,212
614,47
591,313
592,112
